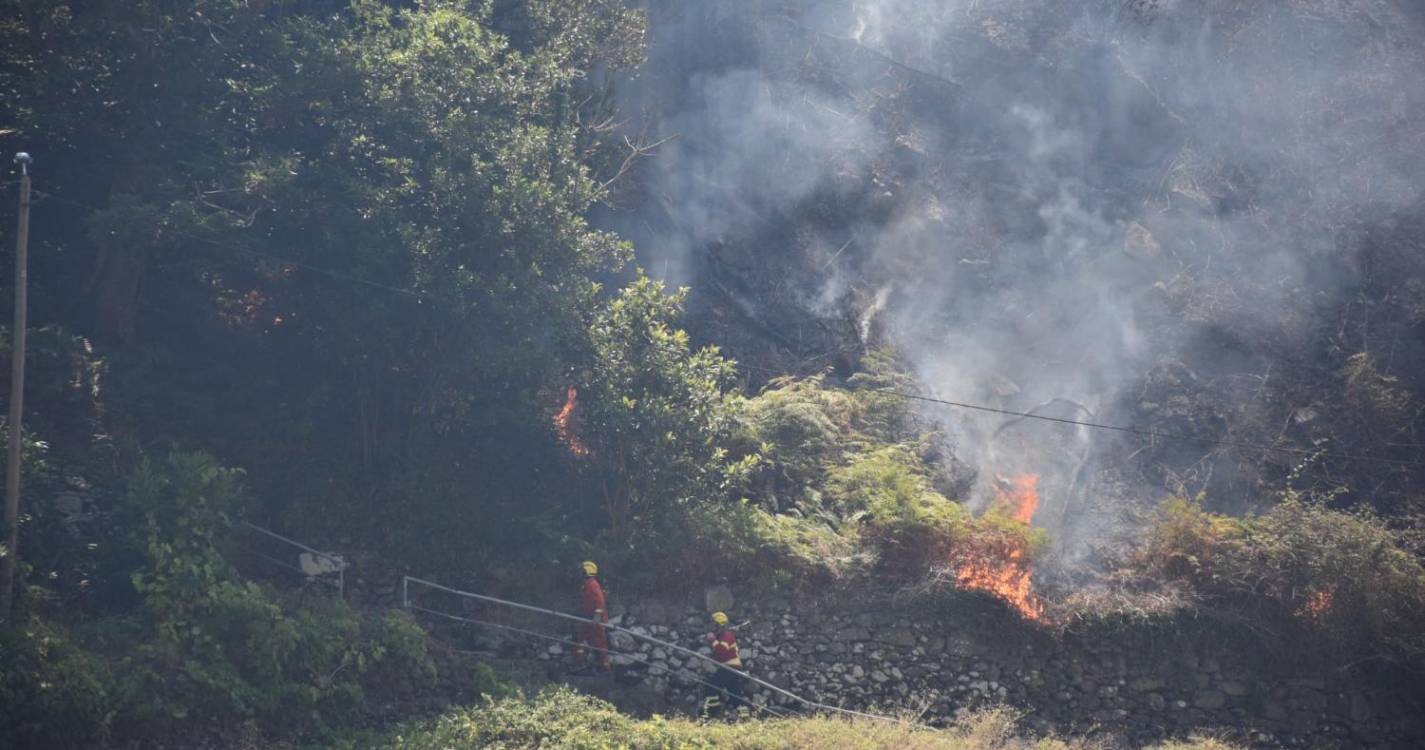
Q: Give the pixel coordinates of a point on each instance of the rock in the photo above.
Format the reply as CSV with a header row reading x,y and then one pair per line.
x,y
555,650
1210,699
851,634
880,677
1156,702
1232,687
1146,684
1361,711
902,638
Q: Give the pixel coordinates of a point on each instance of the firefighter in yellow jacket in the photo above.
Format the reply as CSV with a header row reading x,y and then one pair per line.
x,y
728,680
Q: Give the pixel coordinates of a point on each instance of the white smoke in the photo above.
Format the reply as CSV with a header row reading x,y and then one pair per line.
x,y
1047,200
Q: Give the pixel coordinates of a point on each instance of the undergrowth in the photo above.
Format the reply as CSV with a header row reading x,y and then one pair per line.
x,y
847,484
204,648
1340,588
559,719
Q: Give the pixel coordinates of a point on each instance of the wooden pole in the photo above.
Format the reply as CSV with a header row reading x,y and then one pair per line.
x,y
11,559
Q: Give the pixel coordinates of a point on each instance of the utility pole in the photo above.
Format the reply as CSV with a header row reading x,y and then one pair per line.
x,y
11,560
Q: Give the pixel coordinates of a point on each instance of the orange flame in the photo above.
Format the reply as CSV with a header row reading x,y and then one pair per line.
x,y
1317,604
564,424
1001,567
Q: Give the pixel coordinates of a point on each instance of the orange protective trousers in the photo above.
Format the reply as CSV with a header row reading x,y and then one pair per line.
x,y
593,635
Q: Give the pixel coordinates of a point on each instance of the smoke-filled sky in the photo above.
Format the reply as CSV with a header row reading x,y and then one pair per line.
x,y
1035,201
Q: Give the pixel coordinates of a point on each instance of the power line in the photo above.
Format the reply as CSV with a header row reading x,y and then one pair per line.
x,y
1150,433
1138,431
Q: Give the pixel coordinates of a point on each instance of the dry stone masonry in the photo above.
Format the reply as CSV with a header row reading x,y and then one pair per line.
x,y
1135,683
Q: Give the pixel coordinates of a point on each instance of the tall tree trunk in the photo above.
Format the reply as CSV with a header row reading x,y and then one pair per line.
x,y
120,273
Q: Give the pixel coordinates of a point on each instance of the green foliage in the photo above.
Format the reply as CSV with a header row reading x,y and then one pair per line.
x,y
205,647
888,491
67,460
53,692
487,683
844,485
1346,580
561,719
1376,397
223,647
185,506
341,240
653,413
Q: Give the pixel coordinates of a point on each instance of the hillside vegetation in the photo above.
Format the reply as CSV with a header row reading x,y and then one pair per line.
x,y
561,720
341,269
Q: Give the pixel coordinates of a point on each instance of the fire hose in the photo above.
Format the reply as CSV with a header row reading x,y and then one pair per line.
x,y
406,600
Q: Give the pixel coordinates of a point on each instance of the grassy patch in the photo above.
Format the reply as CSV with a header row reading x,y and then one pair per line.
x,y
559,719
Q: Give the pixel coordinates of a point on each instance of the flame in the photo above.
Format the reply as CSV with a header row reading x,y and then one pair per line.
x,y
564,424
1000,567
1025,498
1317,604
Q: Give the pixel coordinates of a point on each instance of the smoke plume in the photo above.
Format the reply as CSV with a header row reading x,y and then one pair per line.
x,y
1098,209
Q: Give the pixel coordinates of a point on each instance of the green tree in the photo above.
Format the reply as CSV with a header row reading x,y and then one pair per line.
x,y
653,411
342,240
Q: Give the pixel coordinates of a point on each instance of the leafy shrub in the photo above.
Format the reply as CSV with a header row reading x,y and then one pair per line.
x,y
844,484
799,428
741,541
216,646
802,427
53,693
487,683
1345,579
204,647
1373,395
560,719
888,490
654,412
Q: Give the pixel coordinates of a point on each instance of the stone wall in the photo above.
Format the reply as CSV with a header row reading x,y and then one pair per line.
x,y
1136,684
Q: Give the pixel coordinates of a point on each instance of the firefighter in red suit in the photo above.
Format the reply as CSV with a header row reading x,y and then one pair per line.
x,y
592,634
727,681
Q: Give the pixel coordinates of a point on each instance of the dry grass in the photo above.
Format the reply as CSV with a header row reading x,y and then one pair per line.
x,y
563,720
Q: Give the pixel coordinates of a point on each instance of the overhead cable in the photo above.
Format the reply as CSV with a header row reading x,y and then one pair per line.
x,y
1149,433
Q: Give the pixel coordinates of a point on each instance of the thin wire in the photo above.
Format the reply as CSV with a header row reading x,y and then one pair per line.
x,y
666,644
1141,432
535,634
287,565
1149,433
293,542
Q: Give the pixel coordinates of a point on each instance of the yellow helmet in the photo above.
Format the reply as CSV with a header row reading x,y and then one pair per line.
x,y
719,618
590,569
